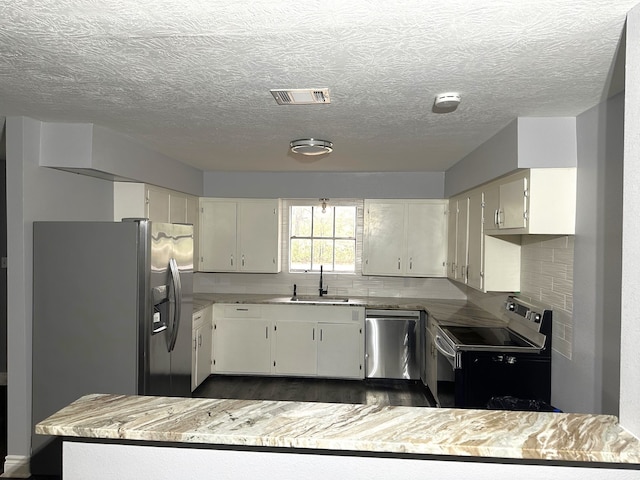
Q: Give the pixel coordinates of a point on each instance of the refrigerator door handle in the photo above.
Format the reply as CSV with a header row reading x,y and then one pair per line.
x,y
176,286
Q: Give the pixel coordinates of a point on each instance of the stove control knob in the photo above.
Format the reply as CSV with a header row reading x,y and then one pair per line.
x,y
511,306
510,360
537,317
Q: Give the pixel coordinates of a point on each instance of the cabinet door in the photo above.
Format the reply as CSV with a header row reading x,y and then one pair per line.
x,y
491,207
194,359
461,239
384,239
241,345
217,246
513,204
177,208
193,219
340,350
452,224
475,241
158,205
258,228
203,352
295,348
426,239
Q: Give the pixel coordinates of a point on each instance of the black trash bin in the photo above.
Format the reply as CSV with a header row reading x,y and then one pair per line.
x,y
522,404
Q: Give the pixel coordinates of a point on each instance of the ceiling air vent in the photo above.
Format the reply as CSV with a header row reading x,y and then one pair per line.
x,y
301,96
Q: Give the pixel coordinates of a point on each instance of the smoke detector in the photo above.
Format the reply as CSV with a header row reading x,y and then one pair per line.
x,y
301,96
311,146
447,101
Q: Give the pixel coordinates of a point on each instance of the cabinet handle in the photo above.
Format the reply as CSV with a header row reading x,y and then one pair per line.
x,y
200,340
313,334
266,332
411,263
398,263
195,344
232,260
243,260
320,334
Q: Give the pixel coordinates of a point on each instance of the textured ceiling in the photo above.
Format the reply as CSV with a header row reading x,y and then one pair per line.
x,y
191,78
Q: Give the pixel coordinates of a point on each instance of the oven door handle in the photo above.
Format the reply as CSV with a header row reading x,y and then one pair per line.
x,y
444,348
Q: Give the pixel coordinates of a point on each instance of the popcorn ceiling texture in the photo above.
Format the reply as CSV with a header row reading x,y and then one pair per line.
x,y
192,79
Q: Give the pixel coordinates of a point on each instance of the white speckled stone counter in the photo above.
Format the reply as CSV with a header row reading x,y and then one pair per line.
x,y
350,428
450,312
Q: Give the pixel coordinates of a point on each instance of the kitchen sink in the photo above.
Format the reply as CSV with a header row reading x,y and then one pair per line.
x,y
318,299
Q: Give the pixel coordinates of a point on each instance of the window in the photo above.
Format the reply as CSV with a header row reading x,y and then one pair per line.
x,y
322,238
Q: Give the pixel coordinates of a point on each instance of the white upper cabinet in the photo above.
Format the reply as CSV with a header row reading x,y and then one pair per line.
x,y
140,200
535,201
482,262
239,235
405,238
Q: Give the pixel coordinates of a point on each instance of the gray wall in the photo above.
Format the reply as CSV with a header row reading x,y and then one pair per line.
x,y
100,152
527,142
35,193
590,381
324,185
630,295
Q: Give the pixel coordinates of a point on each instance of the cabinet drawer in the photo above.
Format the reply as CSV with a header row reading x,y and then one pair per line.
x,y
242,311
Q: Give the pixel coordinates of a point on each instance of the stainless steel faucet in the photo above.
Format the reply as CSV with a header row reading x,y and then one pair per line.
x,y
320,290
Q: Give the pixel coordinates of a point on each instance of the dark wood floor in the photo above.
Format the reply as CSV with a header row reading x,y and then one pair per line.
x,y
382,392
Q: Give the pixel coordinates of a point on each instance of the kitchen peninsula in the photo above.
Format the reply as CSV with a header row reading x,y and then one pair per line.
x,y
118,436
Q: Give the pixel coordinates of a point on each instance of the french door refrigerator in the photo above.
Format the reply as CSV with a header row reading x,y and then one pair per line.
x,y
112,309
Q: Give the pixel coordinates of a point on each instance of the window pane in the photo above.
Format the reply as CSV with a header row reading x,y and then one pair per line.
x,y
301,221
323,222
345,255
300,254
323,254
345,222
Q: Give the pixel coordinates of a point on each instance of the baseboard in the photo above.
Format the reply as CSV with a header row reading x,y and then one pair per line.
x,y
16,466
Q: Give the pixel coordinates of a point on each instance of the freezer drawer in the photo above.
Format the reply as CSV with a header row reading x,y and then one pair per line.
x,y
392,344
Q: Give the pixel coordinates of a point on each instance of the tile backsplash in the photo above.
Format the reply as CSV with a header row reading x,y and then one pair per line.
x,y
547,277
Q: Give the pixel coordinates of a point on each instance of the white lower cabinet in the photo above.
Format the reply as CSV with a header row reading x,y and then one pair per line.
x,y
307,340
295,348
242,345
201,344
338,352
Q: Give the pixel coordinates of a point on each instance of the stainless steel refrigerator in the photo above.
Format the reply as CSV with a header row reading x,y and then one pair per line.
x,y
112,309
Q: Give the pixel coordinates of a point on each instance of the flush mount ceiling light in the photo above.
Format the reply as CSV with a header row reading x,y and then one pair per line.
x,y
311,146
301,96
447,101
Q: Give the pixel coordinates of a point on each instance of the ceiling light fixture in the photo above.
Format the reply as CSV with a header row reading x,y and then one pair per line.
x,y
447,101
324,204
311,146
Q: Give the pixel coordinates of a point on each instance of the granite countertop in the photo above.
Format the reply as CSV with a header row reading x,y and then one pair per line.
x,y
352,428
444,311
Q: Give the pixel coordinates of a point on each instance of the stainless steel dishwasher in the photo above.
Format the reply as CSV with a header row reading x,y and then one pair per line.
x,y
393,344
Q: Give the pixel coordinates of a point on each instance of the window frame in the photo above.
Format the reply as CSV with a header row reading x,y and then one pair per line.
x,y
358,204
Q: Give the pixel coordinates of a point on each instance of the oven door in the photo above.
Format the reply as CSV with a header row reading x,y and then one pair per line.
x,y
494,374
